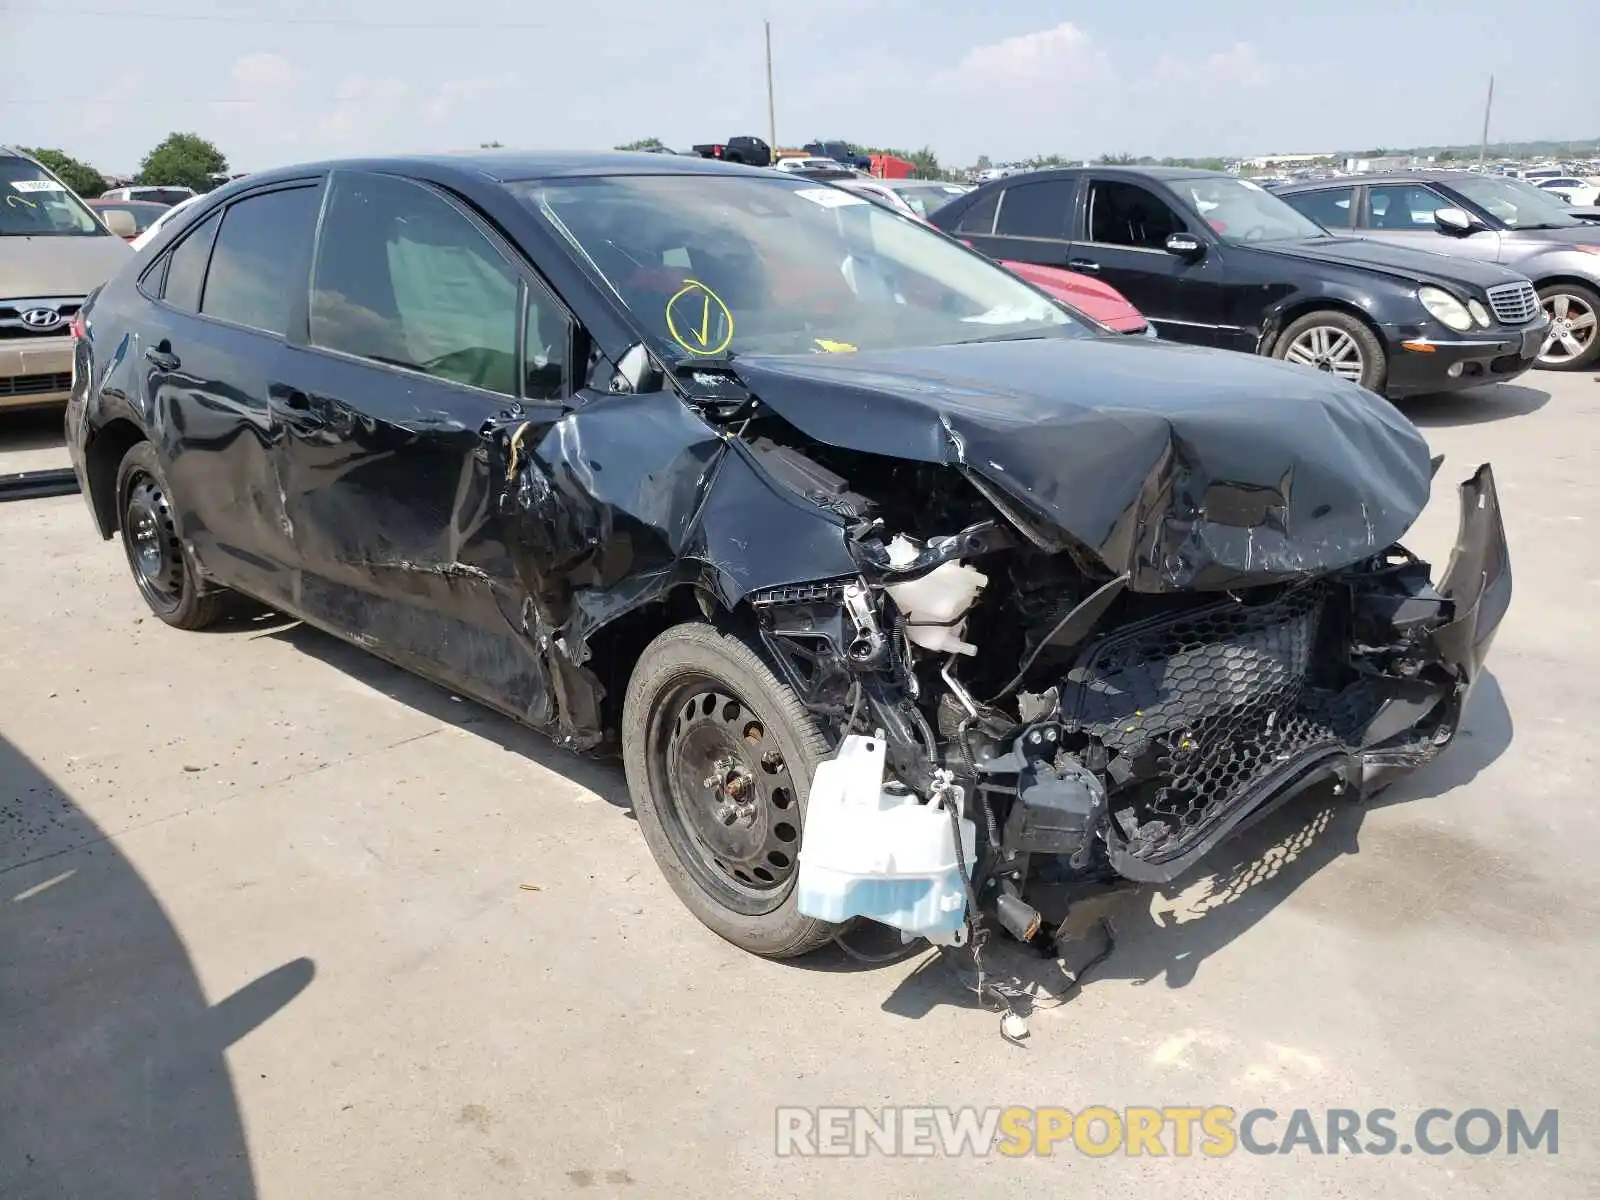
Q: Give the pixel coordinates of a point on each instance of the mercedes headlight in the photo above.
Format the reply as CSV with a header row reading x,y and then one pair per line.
x,y
1445,308
1480,314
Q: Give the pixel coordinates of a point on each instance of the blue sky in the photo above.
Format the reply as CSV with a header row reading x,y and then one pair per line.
x,y
289,80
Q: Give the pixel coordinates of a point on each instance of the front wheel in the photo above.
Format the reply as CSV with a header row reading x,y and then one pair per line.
x,y
1573,342
1337,343
719,756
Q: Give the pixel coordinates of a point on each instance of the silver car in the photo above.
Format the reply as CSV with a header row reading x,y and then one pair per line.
x,y
1507,221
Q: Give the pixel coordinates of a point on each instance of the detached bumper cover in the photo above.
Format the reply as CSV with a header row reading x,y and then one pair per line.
x,y
1215,717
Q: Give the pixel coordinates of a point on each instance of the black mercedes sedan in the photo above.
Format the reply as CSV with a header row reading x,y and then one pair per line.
x,y
892,582
1214,260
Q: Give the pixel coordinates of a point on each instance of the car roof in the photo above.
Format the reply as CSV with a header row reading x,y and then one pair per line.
x,y
1165,174
508,166
1423,176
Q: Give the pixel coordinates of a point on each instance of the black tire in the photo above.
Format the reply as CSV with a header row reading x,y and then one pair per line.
x,y
161,567
667,731
1374,371
1579,299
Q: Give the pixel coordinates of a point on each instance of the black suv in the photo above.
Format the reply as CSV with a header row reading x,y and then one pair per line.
x,y
1218,261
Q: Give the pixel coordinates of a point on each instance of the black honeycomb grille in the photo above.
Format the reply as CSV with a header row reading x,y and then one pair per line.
x,y
1196,709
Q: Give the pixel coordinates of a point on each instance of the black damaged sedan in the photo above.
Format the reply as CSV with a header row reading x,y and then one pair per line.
x,y
765,486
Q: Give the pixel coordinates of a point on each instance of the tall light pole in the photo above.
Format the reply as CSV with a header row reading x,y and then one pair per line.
x,y
772,120
1483,146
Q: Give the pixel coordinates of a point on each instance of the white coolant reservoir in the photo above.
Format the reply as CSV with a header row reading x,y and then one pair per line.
x,y
936,605
870,853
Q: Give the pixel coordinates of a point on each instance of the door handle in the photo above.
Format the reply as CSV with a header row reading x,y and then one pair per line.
x,y
1087,265
163,357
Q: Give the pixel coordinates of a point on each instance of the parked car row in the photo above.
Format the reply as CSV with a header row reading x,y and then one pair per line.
x,y
1214,260
1480,218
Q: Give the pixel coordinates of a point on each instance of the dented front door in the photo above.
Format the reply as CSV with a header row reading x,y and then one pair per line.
x,y
415,345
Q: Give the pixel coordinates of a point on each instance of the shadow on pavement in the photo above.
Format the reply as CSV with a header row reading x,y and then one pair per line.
x,y
1475,406
601,776
1167,931
113,1075
33,429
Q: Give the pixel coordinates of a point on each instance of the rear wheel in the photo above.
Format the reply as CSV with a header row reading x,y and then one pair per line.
x,y
1573,342
719,756
1337,343
161,568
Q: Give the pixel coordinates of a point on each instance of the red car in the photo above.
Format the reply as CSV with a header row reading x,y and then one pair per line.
x,y
1098,301
1089,296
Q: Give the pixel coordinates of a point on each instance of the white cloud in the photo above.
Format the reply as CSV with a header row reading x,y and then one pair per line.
x,y
363,107
1239,66
453,93
1061,54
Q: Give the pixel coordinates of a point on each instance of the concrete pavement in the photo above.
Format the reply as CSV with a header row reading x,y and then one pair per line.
x,y
280,921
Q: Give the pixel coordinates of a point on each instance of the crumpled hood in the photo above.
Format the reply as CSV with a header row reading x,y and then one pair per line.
x,y
65,267
1186,468
1398,262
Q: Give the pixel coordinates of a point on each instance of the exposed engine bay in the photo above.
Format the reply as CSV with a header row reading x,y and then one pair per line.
x,y
1108,732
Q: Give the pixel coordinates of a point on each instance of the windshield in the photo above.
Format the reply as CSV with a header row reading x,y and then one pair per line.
x,y
713,265
1241,211
930,199
33,203
1517,204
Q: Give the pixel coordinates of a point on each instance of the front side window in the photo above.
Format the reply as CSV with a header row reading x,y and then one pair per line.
x,y
709,265
1403,206
1125,214
34,203
405,279
1036,210
258,264
1329,208
1241,211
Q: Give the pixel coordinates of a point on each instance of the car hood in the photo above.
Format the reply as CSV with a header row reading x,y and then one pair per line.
x,y
1397,262
1099,300
1185,468
1555,239
50,267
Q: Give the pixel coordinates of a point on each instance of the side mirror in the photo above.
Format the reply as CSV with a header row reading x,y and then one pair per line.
x,y
1453,222
120,223
1185,245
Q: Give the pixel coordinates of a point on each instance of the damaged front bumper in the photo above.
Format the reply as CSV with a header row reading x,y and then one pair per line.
x,y
1166,734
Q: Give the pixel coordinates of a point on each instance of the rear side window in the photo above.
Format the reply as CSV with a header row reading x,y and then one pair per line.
x,y
1329,208
405,279
186,266
979,218
258,265
1036,210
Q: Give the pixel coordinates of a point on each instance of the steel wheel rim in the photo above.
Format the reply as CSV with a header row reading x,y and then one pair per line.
x,y
1328,348
151,540
725,794
1572,329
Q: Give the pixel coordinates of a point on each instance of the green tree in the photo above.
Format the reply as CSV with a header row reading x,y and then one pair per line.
x,y
183,160
491,145
644,144
79,176
983,163
1117,160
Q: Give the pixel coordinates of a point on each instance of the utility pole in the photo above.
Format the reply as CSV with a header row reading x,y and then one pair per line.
x,y
1483,146
772,120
